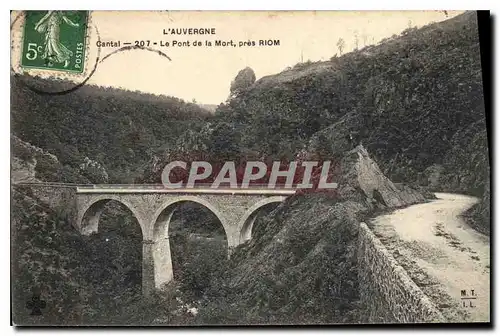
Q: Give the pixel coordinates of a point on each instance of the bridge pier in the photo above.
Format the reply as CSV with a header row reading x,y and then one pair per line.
x,y
163,270
156,265
90,223
148,272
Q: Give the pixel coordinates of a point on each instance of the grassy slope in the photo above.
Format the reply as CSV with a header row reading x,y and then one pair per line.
x,y
82,279
119,129
300,267
405,98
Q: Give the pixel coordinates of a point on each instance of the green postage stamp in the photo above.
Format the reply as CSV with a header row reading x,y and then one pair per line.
x,y
55,40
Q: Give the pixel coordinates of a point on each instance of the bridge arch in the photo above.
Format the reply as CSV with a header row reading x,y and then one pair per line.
x,y
166,210
248,219
161,254
88,221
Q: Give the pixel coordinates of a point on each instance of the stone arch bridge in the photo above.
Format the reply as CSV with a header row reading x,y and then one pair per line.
x,y
153,207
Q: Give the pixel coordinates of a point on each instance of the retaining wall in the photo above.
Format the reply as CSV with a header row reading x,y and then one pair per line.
x,y
386,290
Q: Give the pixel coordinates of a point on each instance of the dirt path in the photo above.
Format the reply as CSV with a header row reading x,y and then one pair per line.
x,y
438,245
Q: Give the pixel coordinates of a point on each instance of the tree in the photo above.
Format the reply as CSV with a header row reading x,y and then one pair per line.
x,y
341,45
356,40
365,40
243,80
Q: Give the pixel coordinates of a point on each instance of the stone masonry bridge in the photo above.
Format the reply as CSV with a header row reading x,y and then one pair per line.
x,y
153,207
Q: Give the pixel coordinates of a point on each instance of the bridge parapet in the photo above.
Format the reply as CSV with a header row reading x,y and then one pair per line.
x,y
200,189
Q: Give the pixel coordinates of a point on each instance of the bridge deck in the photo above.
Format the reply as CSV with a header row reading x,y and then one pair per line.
x,y
160,189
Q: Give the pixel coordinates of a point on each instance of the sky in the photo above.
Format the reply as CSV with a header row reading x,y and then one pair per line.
x,y
205,73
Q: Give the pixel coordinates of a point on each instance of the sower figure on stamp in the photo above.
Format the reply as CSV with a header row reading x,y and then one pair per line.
x,y
55,51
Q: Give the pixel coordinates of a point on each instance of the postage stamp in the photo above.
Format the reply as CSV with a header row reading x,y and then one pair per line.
x,y
55,40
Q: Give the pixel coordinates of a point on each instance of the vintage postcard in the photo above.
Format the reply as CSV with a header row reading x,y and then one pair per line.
x,y
194,168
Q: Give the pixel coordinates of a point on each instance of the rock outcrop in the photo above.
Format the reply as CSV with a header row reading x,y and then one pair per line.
x,y
362,179
26,158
